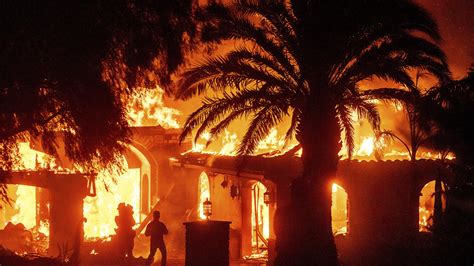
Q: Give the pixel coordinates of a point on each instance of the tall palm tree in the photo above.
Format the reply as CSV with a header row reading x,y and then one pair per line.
x,y
305,60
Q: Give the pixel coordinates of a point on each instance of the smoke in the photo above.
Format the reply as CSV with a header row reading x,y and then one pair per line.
x,y
455,19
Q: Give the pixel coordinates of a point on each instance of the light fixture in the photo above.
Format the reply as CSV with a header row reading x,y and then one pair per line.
x,y
266,197
207,208
234,191
225,183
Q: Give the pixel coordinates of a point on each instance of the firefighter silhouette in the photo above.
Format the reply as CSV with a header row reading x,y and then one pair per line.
x,y
124,230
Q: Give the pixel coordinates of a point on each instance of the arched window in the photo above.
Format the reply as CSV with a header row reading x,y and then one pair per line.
x,y
204,193
260,218
431,198
339,210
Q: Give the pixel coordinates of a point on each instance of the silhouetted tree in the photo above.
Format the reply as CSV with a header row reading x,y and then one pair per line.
x,y
453,115
68,66
417,105
305,59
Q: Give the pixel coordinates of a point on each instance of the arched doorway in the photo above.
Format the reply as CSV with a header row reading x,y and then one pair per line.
x,y
204,193
339,210
130,184
432,197
260,219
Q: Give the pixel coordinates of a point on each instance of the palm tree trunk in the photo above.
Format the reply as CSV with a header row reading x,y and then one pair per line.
x,y
309,229
438,206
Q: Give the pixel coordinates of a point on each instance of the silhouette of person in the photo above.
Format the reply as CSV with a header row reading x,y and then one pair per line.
x,y
156,229
125,232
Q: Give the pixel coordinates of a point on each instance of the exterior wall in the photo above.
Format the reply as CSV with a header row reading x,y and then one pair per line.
x,y
380,195
66,194
224,208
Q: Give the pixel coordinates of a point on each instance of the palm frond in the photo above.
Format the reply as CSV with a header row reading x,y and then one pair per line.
x,y
260,127
390,134
366,110
346,124
223,72
295,120
388,94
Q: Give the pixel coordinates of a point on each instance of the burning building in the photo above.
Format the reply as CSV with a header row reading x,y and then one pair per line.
x,y
372,205
370,198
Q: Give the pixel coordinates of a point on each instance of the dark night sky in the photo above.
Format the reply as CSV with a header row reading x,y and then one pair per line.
x,y
456,23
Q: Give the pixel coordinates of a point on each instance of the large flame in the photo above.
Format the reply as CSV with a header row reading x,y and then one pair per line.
x,y
146,108
25,205
229,143
100,211
366,148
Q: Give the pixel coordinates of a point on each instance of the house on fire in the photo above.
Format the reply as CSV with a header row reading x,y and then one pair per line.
x,y
371,199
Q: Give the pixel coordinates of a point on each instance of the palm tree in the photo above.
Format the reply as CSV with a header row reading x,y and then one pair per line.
x,y
305,60
420,132
454,108
420,127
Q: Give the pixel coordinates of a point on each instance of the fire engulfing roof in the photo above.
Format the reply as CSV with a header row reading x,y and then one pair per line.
x,y
289,166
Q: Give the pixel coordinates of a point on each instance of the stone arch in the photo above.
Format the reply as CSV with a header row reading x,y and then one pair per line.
x,y
138,156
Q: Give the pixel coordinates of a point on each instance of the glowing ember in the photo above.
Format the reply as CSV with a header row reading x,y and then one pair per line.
x,y
146,108
44,227
424,217
204,193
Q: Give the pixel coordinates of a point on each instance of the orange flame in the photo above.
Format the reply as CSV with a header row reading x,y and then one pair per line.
x,y
100,211
146,108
